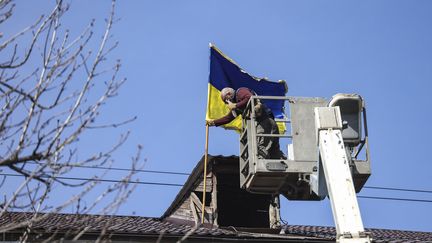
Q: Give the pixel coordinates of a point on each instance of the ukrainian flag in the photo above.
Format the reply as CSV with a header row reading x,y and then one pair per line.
x,y
224,72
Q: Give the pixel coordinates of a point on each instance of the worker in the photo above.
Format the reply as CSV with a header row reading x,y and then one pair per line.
x,y
268,147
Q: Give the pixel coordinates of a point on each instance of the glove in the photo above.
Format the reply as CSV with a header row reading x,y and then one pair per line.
x,y
210,122
231,105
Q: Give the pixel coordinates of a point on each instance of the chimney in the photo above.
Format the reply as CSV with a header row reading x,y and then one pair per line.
x,y
226,203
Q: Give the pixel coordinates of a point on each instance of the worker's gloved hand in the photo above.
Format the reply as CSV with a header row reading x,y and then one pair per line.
x,y
210,122
231,105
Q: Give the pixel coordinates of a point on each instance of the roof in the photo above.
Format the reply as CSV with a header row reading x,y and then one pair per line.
x,y
146,226
378,235
94,224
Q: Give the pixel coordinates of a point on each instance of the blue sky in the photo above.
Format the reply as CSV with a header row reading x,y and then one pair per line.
x,y
378,49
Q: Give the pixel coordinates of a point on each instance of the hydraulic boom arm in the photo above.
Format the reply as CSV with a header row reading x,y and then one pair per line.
x,y
340,186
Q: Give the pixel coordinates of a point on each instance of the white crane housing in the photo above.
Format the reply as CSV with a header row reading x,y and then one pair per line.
x,y
323,157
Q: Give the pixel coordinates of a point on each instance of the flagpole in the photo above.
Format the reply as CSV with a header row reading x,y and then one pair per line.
x,y
206,151
205,174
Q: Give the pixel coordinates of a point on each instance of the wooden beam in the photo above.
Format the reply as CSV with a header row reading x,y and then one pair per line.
x,y
214,200
194,212
198,205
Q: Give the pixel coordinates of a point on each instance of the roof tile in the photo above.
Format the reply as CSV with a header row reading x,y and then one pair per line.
x,y
155,226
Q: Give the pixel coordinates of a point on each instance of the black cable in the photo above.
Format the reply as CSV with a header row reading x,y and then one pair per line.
x,y
105,180
396,199
180,185
396,189
183,173
136,170
124,169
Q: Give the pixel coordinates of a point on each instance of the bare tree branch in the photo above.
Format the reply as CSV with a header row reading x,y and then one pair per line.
x,y
53,88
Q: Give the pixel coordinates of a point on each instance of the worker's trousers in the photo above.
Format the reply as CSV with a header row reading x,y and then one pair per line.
x,y
268,147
